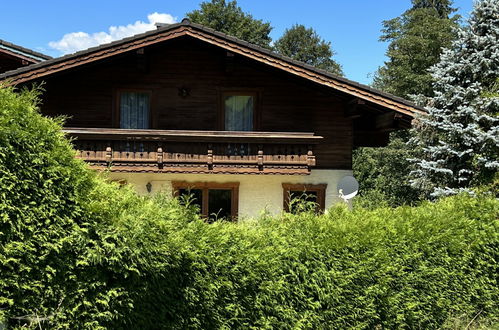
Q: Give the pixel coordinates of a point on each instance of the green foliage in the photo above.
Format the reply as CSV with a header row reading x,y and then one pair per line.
x,y
416,41
442,7
228,17
77,252
306,45
408,267
383,174
458,139
40,185
302,203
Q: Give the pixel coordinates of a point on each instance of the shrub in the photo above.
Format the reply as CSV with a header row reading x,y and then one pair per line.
x,y
40,187
78,252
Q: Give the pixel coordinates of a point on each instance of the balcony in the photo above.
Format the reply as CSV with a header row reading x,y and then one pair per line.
x,y
217,152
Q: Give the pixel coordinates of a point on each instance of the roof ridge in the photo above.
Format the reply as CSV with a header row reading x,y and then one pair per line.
x,y
162,27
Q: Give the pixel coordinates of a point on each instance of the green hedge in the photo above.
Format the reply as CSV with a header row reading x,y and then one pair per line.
x,y
77,252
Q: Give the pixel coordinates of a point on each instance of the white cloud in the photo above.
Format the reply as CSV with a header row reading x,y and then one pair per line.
x,y
76,41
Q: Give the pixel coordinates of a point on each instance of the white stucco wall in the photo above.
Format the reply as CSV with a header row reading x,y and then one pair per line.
x,y
256,192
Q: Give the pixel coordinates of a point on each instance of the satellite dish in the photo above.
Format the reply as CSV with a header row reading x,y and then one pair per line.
x,y
348,187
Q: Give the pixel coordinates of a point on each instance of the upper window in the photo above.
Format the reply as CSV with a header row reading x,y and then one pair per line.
x,y
239,111
134,109
299,197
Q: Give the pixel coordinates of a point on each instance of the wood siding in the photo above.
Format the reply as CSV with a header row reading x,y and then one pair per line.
x,y
286,103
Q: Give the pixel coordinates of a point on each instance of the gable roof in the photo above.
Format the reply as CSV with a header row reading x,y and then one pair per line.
x,y
235,45
22,53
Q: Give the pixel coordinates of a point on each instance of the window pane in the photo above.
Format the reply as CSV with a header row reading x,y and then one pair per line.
x,y
239,113
134,110
303,201
192,196
219,204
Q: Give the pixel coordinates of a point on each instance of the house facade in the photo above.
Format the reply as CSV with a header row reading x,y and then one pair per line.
x,y
187,109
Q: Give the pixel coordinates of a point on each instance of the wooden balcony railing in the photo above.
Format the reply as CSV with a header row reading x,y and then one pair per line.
x,y
129,150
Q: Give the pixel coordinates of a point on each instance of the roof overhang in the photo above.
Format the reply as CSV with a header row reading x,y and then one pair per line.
x,y
21,53
185,28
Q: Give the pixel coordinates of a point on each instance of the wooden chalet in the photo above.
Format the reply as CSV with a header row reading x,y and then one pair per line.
x,y
188,109
13,56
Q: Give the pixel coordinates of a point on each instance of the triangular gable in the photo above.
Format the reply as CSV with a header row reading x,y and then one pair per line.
x,y
186,28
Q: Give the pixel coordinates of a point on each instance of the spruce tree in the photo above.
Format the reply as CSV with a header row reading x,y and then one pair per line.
x,y
228,17
304,44
458,141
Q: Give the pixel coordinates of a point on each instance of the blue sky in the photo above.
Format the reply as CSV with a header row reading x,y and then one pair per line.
x,y
352,26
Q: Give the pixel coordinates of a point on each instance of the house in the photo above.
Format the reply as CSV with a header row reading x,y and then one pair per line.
x,y
188,109
13,56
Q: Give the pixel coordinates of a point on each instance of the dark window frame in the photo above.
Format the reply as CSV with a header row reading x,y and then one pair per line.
x,y
205,187
117,104
320,189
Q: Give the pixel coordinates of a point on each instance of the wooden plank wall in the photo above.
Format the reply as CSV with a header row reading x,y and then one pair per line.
x,y
286,103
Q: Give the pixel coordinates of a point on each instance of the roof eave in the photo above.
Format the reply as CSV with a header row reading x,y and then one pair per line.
x,y
219,39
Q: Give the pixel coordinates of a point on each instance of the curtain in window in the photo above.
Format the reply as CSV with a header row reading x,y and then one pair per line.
x,y
239,113
134,110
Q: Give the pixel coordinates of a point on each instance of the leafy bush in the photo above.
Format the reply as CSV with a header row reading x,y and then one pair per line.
x,y
77,252
40,189
383,174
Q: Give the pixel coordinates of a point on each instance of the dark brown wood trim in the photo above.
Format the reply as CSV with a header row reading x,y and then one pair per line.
x,y
116,104
94,56
319,188
205,187
303,72
191,135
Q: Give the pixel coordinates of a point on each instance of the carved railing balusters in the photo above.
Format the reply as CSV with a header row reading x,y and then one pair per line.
x,y
310,158
206,155
260,157
109,155
159,155
210,156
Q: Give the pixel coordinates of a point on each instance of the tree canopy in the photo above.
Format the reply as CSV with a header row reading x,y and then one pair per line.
x,y
443,7
304,44
228,17
416,41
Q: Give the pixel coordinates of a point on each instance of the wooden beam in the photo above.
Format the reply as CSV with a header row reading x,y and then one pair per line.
x,y
196,136
388,122
352,109
370,138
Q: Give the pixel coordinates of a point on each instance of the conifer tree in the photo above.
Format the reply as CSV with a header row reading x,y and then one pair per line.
x,y
458,140
306,45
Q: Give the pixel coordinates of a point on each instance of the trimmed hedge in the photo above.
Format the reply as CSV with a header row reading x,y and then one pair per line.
x,y
78,252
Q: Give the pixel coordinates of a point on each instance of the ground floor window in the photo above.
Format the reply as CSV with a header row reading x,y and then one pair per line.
x,y
300,196
215,200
